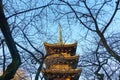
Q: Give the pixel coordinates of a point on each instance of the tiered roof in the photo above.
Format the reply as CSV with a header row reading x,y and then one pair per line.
x,y
58,48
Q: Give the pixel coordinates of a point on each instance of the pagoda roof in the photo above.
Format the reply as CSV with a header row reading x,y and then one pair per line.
x,y
62,71
60,44
67,57
73,74
60,47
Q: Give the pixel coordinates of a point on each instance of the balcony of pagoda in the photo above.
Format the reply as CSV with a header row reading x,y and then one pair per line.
x,y
59,59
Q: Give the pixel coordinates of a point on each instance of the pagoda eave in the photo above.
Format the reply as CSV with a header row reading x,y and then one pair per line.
x,y
73,74
60,45
65,57
61,71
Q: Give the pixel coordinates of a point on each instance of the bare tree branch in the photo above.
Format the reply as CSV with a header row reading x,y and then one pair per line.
x,y
77,15
17,13
112,17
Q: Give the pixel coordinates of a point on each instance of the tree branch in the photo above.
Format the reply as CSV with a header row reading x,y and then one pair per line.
x,y
109,50
95,21
112,17
17,13
28,52
77,16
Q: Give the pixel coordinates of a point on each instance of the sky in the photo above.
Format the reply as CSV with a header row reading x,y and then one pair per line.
x,y
47,22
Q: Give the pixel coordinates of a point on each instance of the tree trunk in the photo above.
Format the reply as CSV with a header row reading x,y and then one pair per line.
x,y
16,61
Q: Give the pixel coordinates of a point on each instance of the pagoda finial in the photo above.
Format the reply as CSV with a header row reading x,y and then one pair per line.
x,y
60,34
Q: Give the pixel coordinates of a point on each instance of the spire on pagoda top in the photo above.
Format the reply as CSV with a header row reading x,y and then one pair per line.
x,y
60,35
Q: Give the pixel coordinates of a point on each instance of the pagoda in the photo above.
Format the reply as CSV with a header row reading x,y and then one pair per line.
x,y
61,61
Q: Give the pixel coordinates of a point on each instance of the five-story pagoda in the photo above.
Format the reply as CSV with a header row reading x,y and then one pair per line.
x,y
61,61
